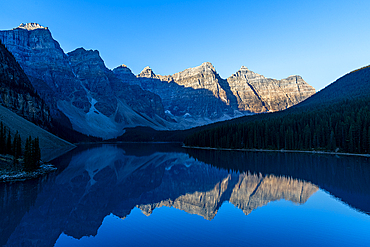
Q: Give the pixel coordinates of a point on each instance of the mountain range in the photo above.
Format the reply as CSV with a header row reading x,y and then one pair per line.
x,y
336,119
20,102
84,95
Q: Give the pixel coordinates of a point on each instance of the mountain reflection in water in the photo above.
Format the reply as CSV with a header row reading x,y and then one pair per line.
x,y
95,181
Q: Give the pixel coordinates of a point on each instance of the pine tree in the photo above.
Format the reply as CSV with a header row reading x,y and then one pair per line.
x,y
33,157
9,144
17,146
2,138
37,151
32,154
27,152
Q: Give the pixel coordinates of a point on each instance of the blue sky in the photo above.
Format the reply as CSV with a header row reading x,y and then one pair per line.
x,y
319,40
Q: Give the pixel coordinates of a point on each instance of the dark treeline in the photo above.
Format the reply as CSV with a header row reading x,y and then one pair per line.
x,y
8,144
13,146
343,127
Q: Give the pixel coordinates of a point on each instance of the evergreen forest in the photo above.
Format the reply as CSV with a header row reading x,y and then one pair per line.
x,y
9,145
340,127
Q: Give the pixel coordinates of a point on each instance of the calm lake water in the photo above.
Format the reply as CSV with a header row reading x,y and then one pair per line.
x,y
163,195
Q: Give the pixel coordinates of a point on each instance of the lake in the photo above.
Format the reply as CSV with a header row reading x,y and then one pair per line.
x,y
164,195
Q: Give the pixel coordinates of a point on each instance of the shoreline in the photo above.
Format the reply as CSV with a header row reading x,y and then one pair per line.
x,y
280,151
121,142
24,175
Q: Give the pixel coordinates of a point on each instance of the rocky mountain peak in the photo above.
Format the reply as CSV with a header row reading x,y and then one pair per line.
x,y
82,50
205,67
44,63
202,70
80,86
31,26
91,57
298,77
256,93
147,72
208,65
122,69
245,73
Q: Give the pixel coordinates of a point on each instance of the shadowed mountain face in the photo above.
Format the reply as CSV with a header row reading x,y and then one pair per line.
x,y
51,145
198,95
46,65
79,86
199,92
95,181
89,67
101,102
188,106
17,92
20,102
245,91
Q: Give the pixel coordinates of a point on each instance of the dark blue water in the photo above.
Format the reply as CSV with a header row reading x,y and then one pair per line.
x,y
163,195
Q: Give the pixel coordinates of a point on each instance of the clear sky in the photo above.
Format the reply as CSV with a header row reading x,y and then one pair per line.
x,y
319,40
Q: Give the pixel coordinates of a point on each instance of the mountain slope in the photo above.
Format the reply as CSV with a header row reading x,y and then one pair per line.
x,y
245,91
194,92
257,93
353,85
114,105
200,94
79,86
85,95
51,146
46,65
17,92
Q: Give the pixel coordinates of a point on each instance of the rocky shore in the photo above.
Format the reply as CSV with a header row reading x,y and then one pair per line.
x,y
10,172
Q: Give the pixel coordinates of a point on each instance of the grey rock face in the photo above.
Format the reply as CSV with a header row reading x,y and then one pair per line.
x,y
125,75
257,93
45,64
79,85
196,92
128,88
108,90
206,77
201,92
89,68
98,101
17,92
